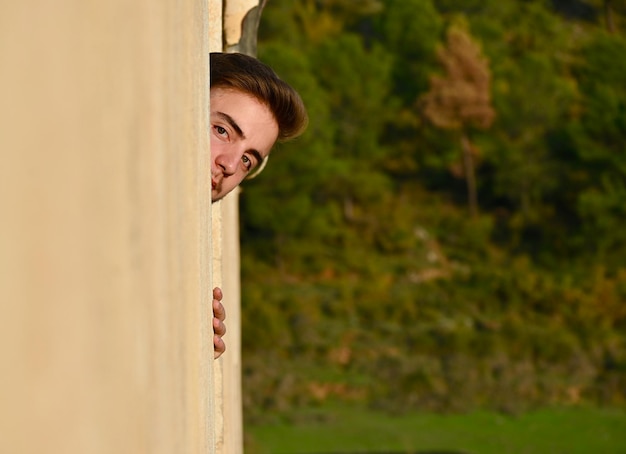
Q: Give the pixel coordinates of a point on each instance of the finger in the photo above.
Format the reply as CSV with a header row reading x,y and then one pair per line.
x,y
219,310
217,293
219,346
219,327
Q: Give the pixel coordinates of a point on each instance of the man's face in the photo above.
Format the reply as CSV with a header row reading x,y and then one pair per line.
x,y
243,131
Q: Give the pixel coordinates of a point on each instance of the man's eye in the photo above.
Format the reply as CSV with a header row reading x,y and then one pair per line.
x,y
220,130
247,162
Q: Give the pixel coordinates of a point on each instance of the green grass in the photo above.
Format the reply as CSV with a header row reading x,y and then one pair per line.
x,y
352,430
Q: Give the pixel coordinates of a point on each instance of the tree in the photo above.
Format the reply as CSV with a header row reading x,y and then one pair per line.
x,y
410,31
461,100
599,137
611,10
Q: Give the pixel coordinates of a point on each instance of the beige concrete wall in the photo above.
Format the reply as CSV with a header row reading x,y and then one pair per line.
x,y
227,369
240,24
105,286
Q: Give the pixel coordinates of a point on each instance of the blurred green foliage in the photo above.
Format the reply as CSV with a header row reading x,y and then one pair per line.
x,y
352,429
364,276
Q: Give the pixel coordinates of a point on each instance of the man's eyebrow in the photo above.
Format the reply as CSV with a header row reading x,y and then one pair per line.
x,y
233,124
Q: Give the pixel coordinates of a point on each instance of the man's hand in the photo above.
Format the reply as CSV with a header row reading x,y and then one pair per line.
x,y
219,329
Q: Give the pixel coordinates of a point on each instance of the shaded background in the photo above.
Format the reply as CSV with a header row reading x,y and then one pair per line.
x,y
448,236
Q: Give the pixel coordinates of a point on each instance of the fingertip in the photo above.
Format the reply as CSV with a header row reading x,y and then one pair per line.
x,y
219,347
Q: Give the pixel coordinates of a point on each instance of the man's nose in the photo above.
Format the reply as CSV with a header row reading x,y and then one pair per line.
x,y
228,161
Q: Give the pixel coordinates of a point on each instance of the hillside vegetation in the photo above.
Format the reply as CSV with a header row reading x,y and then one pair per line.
x,y
449,234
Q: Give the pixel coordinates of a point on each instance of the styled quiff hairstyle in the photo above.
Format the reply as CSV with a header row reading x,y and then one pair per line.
x,y
248,75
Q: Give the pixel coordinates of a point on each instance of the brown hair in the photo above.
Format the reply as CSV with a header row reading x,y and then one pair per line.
x,y
249,75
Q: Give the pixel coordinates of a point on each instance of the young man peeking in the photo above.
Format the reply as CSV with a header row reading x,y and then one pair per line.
x,y
251,109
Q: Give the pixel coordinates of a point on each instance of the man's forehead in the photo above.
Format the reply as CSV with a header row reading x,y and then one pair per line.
x,y
248,117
